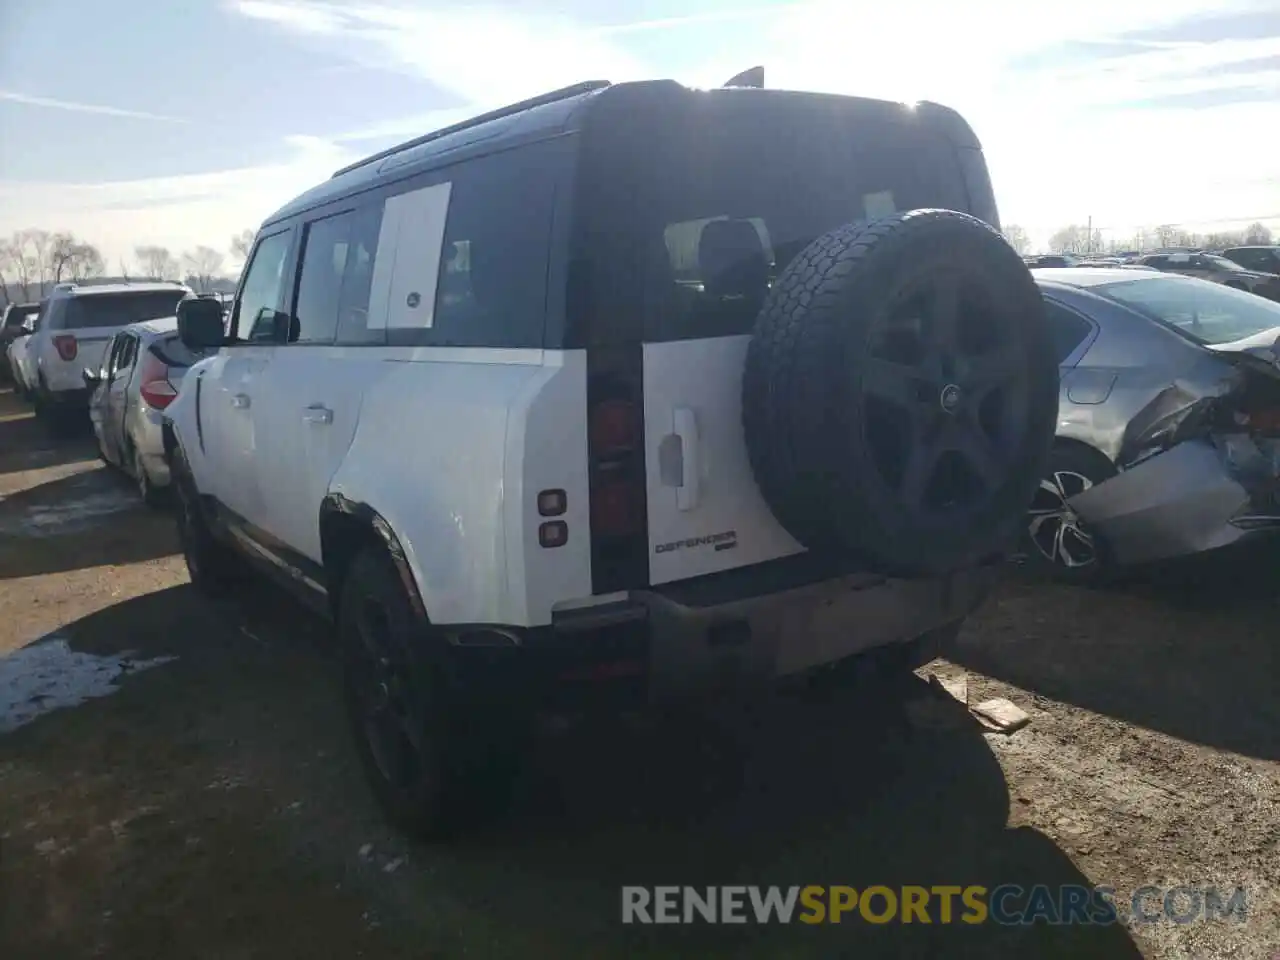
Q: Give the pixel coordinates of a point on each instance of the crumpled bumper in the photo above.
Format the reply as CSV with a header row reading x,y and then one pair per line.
x,y
1199,495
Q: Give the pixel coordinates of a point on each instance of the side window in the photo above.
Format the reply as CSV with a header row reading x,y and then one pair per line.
x,y
128,354
1069,329
357,280
324,259
255,316
491,290
112,354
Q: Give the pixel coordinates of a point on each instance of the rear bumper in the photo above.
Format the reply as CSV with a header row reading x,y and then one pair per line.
x,y
1198,496
661,648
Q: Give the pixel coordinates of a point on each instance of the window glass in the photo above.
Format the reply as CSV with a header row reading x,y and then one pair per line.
x,y
1069,329
113,354
256,311
1205,312
128,353
724,194
18,315
324,258
492,284
357,279
119,309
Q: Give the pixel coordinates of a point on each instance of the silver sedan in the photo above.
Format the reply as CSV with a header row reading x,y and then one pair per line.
x,y
1168,438
141,371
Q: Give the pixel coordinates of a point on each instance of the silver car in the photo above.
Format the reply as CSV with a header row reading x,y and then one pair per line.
x,y
143,366
1168,438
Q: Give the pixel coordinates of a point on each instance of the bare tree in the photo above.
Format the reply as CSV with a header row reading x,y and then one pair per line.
x,y
26,260
204,263
157,262
1017,238
241,244
73,259
1257,234
1070,239
86,262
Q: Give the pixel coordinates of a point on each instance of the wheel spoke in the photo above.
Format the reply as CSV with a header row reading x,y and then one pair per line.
x,y
921,465
895,382
971,442
989,371
1058,555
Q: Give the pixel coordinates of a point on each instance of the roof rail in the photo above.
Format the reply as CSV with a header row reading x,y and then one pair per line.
x,y
564,93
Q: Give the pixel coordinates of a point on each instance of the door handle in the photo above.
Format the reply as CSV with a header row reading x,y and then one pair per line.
x,y
317,413
240,401
686,428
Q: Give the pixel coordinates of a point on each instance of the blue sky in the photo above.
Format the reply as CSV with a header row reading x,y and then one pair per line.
x,y
179,123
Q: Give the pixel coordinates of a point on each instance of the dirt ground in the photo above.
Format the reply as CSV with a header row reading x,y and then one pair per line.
x,y
212,807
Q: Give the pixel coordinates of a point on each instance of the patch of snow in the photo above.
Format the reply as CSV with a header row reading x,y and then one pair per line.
x,y
48,675
65,516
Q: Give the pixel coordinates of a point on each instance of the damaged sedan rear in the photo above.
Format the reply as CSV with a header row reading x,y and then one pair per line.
x,y
1168,438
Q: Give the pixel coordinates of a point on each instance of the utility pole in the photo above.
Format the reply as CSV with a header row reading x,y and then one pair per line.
x,y
1088,240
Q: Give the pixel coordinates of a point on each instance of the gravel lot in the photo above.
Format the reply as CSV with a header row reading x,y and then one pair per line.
x,y
212,807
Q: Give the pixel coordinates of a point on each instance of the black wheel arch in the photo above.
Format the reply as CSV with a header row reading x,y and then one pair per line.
x,y
348,526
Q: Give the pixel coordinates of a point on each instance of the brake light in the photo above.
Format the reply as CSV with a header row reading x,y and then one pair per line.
x,y
156,390
65,344
617,490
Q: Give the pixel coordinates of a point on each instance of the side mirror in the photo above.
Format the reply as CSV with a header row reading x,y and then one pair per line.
x,y
200,324
91,377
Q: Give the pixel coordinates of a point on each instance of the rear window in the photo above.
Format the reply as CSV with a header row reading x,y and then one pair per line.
x,y
719,195
119,309
1207,313
174,352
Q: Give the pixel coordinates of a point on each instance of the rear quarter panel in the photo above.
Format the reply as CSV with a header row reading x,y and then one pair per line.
x,y
451,448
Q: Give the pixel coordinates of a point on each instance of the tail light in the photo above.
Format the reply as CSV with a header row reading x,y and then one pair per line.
x,y
156,390
65,344
617,490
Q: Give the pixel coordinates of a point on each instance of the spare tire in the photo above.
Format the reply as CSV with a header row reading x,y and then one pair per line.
x,y
900,393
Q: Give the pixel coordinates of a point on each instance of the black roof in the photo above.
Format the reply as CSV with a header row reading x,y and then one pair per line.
x,y
560,111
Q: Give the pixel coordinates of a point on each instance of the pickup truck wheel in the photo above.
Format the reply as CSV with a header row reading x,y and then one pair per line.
x,y
213,568
434,758
900,393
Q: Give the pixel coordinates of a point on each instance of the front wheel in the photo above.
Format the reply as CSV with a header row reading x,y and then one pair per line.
x,y
1057,541
212,566
433,755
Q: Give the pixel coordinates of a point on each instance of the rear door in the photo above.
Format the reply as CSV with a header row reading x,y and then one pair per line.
x,y
724,195
121,363
310,395
98,399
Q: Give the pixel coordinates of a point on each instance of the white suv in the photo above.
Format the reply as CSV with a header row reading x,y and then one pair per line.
x,y
76,322
633,388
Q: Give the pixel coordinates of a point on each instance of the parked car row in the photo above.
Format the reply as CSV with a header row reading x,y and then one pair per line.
x,y
1255,269
111,350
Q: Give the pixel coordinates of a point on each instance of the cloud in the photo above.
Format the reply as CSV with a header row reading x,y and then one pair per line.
x,y
177,212
74,107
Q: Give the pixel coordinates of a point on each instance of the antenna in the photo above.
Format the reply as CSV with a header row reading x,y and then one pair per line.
x,y
748,78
